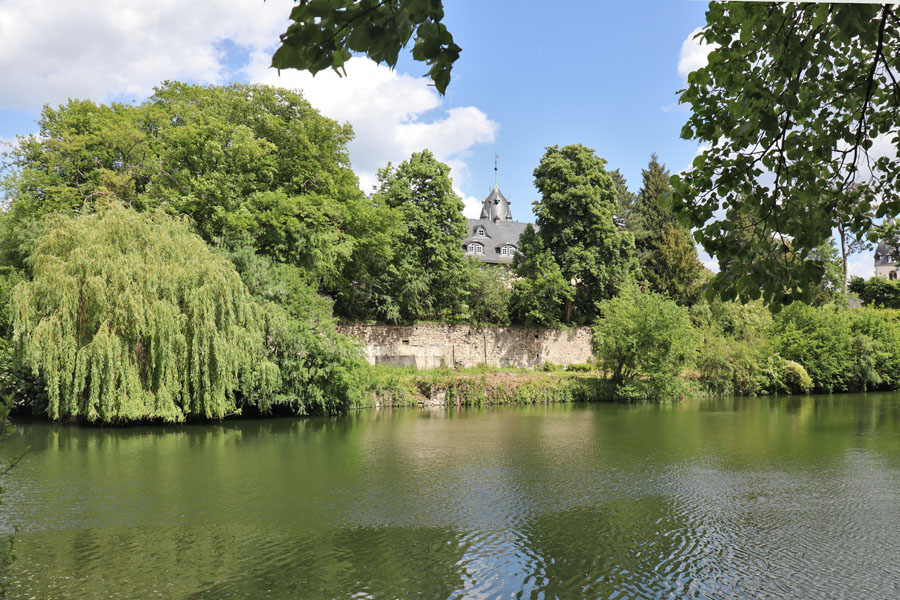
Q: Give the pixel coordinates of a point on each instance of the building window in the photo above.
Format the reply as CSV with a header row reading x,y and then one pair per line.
x,y
480,232
507,250
475,249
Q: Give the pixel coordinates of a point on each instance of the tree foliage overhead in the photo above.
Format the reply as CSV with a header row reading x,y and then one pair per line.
x,y
325,33
132,317
791,106
579,199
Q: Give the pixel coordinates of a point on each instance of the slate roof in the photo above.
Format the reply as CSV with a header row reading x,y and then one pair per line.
x,y
496,235
499,230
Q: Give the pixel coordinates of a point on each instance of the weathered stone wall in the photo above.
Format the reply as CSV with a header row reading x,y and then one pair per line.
x,y
431,345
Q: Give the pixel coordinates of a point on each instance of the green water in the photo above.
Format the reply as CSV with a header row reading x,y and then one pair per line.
x,y
766,497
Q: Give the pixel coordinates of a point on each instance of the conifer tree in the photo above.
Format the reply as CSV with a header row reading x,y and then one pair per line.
x,y
665,249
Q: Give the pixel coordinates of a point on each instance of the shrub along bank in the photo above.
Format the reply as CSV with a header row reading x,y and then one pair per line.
x,y
651,347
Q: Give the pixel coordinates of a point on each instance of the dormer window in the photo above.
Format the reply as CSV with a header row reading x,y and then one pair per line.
x,y
475,248
508,250
480,232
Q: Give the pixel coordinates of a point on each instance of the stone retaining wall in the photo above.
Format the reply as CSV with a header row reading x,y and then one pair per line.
x,y
431,345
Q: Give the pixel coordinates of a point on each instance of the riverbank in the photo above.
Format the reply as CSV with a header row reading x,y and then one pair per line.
x,y
484,386
477,386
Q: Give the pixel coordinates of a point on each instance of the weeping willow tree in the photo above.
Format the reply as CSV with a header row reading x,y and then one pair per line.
x,y
130,316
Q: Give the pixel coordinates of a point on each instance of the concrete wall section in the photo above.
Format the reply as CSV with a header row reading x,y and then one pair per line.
x,y
432,345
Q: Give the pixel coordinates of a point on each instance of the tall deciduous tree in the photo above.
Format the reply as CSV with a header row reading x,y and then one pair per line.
x,y
665,248
248,163
794,104
576,223
428,273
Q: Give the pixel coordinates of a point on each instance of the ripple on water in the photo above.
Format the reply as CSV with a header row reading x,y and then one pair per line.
x,y
505,504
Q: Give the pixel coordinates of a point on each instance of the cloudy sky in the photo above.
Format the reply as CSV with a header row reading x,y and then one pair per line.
x,y
605,74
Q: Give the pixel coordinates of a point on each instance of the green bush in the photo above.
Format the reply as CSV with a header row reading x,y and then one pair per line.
x,y
729,366
795,378
876,349
876,292
321,370
580,367
489,294
644,336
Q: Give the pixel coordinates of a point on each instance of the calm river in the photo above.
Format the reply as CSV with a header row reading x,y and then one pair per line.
x,y
795,497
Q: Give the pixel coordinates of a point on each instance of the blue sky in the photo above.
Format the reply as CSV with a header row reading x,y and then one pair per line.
x,y
604,74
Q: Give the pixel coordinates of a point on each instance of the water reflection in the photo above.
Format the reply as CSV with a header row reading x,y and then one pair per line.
x,y
780,497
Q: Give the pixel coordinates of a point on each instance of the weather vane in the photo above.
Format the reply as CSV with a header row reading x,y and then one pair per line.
x,y
496,156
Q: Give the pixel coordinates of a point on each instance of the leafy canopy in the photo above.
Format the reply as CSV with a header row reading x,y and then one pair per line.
x,y
428,275
791,105
575,216
250,164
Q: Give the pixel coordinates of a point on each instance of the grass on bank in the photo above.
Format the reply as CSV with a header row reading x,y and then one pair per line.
x,y
483,385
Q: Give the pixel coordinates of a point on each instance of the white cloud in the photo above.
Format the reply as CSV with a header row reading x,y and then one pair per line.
x,y
471,206
52,50
390,114
693,54
861,265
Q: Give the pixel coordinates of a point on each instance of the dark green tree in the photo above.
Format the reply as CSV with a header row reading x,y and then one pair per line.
x,y
877,291
576,226
320,369
665,249
625,198
366,288
428,272
540,294
790,106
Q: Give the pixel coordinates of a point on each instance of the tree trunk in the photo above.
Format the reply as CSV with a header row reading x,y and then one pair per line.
x,y
843,253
